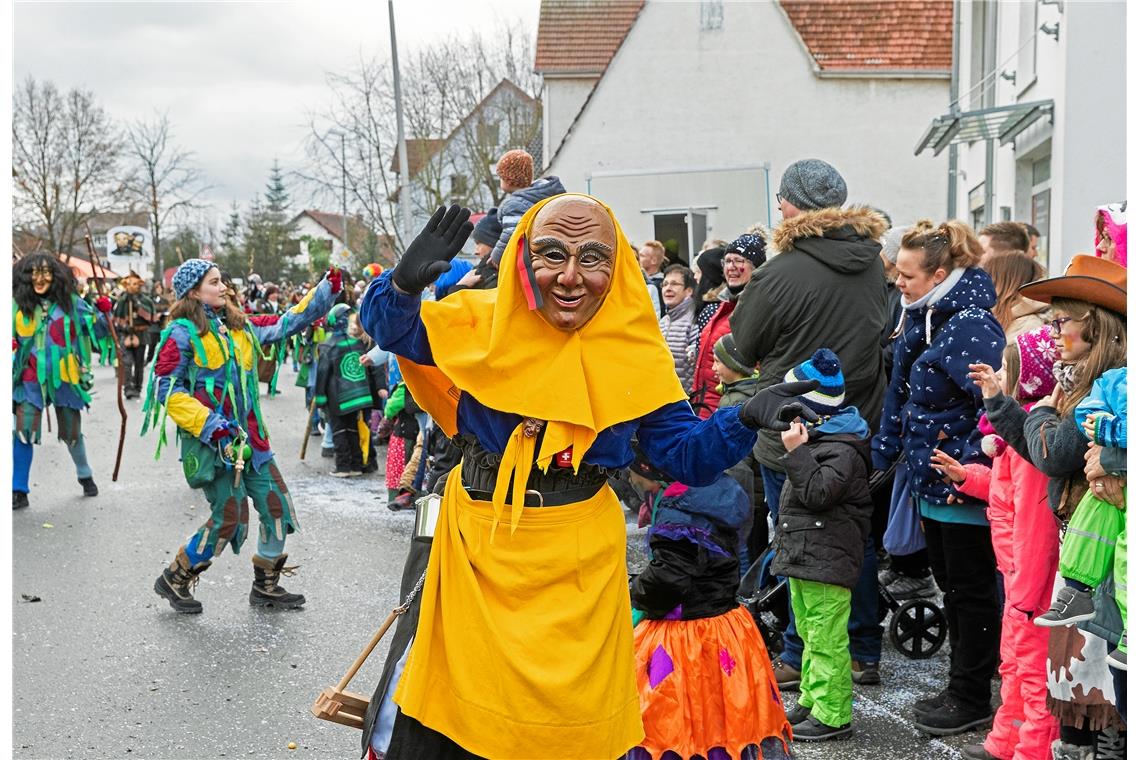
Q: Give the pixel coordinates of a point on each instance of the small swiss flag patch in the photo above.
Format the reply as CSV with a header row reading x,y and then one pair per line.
x,y
564,459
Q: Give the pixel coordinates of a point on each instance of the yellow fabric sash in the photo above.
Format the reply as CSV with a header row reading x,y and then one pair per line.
x,y
488,343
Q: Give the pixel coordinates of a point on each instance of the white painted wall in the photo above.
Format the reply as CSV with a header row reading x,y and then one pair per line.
x,y
562,99
306,226
742,95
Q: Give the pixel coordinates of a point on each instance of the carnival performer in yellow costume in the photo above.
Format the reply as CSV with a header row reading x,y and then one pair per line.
x,y
524,647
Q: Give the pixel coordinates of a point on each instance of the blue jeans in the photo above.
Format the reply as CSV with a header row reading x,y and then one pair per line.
x,y
863,628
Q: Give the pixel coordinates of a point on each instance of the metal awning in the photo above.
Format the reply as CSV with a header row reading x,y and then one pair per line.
x,y
1003,123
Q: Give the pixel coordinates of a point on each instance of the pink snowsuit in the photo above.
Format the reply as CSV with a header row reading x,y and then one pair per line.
x,y
1026,544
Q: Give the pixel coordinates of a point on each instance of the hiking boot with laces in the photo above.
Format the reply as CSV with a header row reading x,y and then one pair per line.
x,y
1070,607
798,714
953,717
811,729
1065,751
177,583
787,677
865,673
266,592
907,587
931,703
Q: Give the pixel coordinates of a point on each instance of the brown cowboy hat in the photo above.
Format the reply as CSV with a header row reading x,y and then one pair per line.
x,y
1087,278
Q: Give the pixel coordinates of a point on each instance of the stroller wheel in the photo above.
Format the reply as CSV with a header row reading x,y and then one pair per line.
x,y
918,629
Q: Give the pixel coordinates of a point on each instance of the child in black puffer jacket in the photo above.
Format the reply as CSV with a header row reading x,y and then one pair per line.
x,y
825,515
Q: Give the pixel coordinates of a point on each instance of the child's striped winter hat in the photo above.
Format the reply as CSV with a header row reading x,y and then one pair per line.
x,y
822,366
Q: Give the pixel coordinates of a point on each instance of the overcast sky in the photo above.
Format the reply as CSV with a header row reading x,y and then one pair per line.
x,y
237,78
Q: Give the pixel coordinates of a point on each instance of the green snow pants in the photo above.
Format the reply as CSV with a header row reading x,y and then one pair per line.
x,y
821,611
1089,550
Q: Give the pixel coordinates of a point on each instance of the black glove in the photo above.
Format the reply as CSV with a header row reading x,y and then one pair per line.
x,y
776,407
430,254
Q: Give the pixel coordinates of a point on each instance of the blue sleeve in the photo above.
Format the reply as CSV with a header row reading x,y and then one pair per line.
x,y
393,320
297,318
692,450
1108,396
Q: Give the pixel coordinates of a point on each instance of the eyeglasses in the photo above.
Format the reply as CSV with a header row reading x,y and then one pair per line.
x,y
779,198
1055,324
735,261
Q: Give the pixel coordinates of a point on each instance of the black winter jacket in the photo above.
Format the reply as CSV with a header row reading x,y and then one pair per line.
x,y
823,289
825,510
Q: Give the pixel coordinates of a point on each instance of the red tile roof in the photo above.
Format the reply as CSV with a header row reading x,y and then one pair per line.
x,y
869,35
581,36
420,151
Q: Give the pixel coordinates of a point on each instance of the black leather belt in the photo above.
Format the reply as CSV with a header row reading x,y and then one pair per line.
x,y
548,499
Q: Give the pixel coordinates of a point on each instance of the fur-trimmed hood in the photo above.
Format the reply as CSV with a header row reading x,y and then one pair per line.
x,y
857,228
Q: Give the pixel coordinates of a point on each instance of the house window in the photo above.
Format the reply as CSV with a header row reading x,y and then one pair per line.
x,y
712,14
1027,38
977,203
1039,210
983,53
458,185
487,134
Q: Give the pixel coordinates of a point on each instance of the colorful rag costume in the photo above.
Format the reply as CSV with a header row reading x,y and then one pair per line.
x,y
51,367
524,642
208,382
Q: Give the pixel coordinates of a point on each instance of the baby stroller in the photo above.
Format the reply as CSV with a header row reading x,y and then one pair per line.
x,y
917,627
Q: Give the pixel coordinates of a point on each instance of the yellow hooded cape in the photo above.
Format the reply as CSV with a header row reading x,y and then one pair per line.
x,y
488,343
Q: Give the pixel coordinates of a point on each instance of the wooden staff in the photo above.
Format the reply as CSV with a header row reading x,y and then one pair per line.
x,y
308,426
101,286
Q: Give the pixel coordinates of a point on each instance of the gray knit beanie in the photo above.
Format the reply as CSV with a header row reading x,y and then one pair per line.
x,y
892,242
810,184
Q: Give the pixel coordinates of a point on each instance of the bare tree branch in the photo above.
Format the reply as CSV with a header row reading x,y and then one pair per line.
x,y
65,157
164,180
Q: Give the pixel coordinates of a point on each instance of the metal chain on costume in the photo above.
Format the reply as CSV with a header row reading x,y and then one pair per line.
x,y
407,605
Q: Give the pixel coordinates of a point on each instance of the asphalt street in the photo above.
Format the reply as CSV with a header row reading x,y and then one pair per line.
x,y
103,668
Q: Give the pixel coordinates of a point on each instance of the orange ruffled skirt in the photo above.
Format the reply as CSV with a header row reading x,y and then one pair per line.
x,y
706,683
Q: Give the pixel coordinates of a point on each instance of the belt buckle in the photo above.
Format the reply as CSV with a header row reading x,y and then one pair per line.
x,y
536,493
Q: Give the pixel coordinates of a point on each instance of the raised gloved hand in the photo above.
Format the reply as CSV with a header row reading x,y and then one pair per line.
x,y
335,278
430,254
775,407
103,304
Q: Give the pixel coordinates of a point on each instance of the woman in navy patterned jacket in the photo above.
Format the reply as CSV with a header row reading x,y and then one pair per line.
x,y
932,404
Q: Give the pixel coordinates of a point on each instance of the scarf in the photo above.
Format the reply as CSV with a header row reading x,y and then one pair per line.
x,y
1066,375
933,296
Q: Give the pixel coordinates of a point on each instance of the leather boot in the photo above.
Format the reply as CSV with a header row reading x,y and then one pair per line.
x,y
265,591
177,583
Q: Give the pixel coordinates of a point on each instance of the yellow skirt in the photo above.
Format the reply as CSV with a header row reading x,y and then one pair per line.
x,y
525,646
